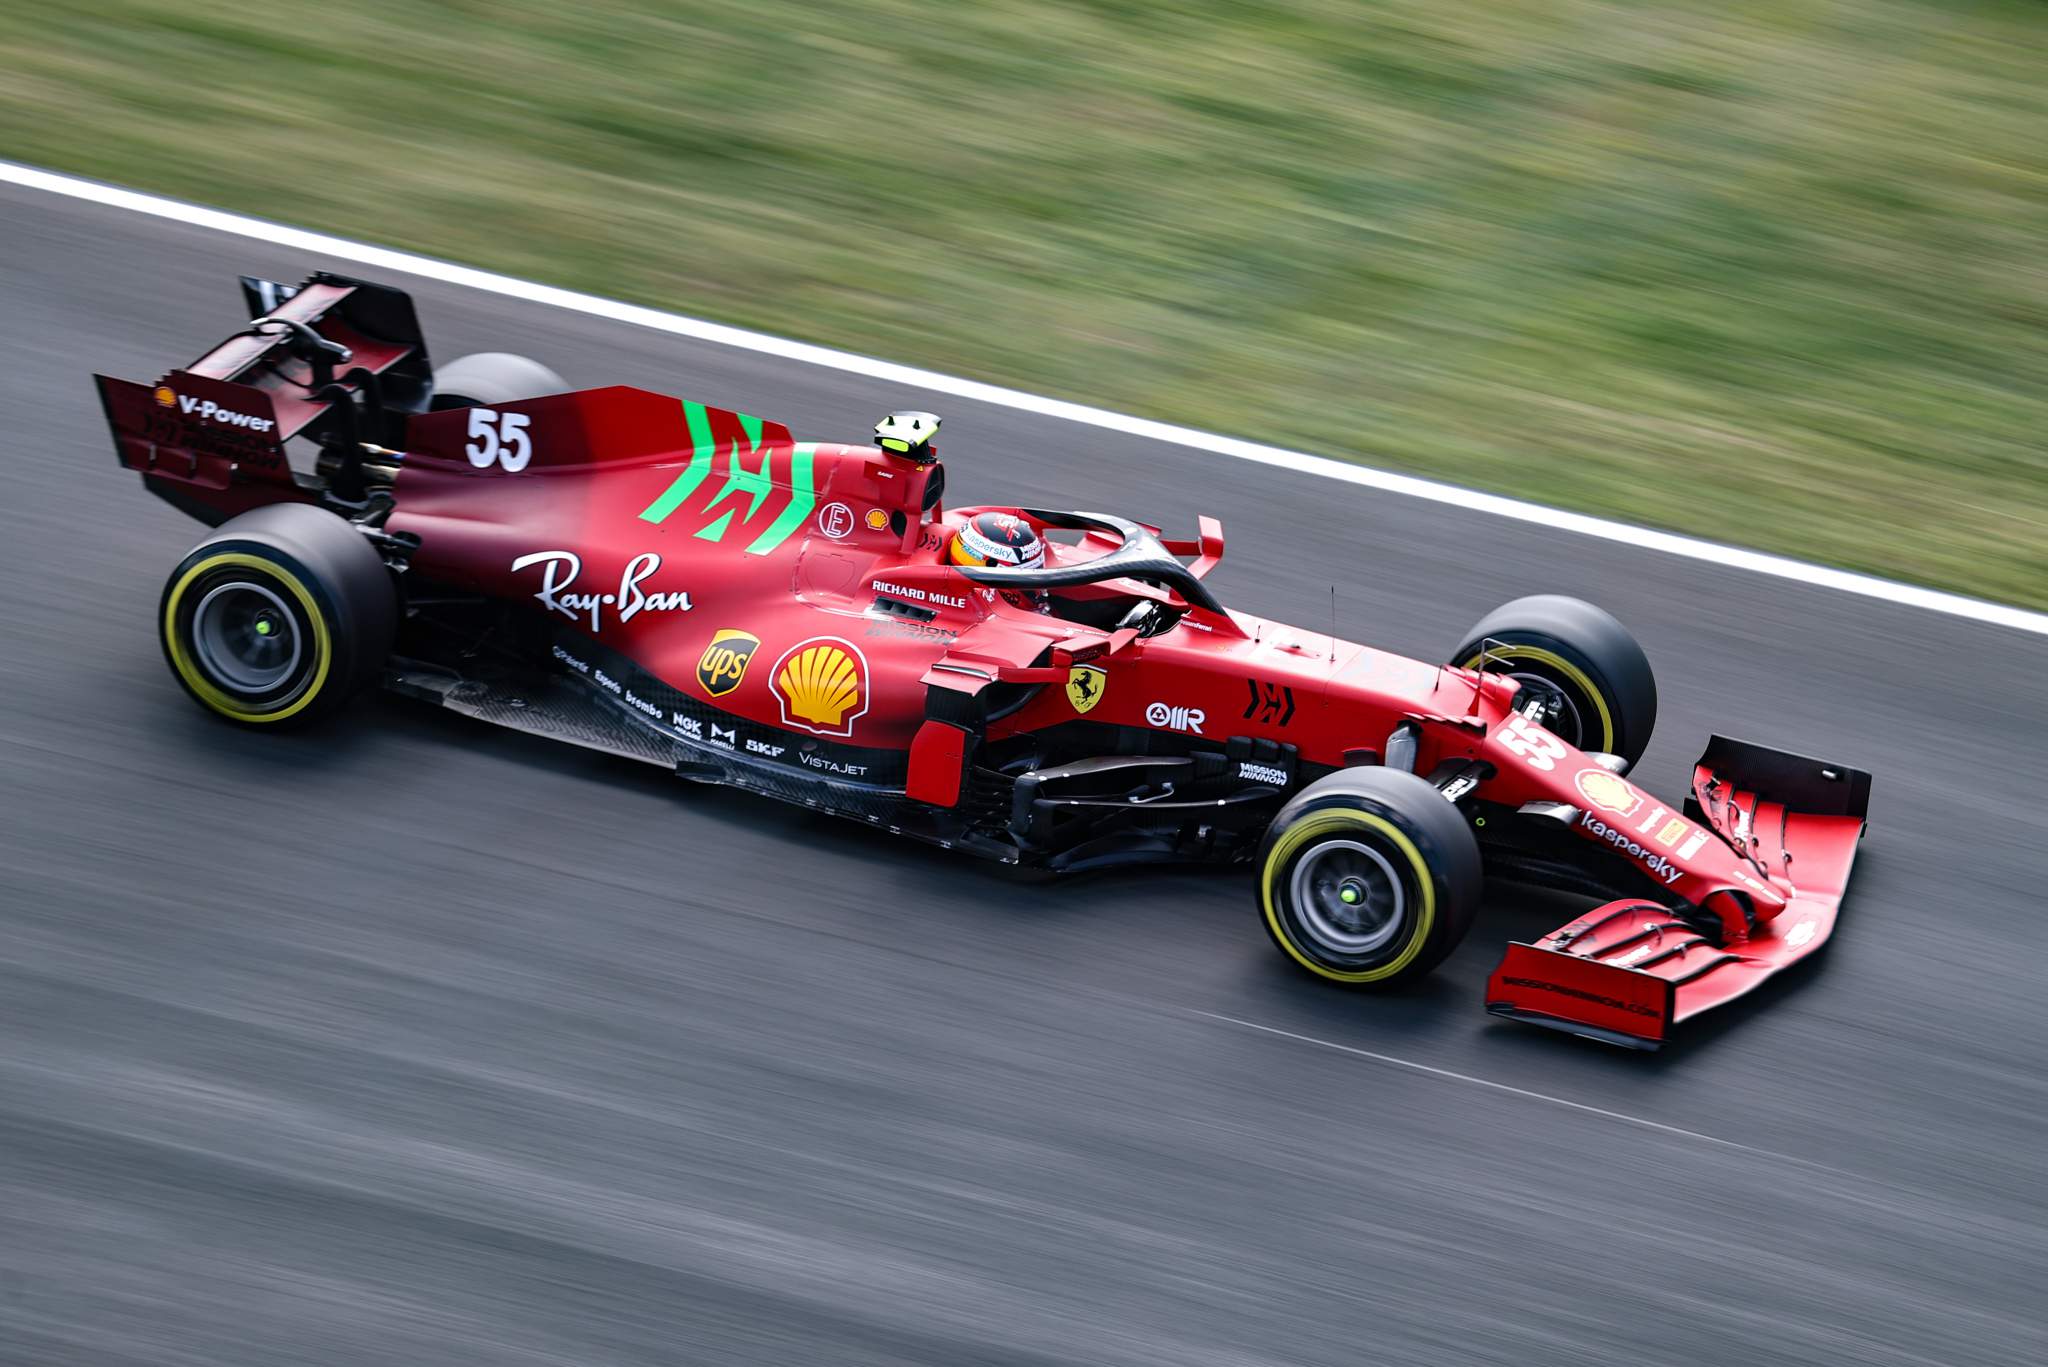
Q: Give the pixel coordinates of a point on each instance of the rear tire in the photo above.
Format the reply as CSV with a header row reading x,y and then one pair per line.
x,y
1369,877
279,617
490,378
1582,655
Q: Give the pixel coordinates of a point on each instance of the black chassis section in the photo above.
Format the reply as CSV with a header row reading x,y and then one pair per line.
x,y
1072,798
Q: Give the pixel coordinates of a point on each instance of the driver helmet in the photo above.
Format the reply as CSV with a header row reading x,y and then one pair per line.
x,y
1000,539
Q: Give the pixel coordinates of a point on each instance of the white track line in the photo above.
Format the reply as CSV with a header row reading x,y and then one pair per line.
x,y
1524,1092
384,258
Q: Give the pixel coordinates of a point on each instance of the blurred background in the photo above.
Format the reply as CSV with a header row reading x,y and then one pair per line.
x,y
1767,272
411,1041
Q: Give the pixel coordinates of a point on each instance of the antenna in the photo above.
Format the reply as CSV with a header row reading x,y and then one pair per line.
x,y
1333,626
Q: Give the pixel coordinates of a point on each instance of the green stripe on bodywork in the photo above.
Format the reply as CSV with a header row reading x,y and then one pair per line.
x,y
740,480
801,500
693,474
700,425
756,484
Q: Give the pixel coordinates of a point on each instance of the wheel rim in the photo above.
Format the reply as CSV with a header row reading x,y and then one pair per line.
x,y
245,638
1348,897
1566,721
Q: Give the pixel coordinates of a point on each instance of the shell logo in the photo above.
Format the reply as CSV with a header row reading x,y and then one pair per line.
x,y
1607,792
877,520
164,397
822,685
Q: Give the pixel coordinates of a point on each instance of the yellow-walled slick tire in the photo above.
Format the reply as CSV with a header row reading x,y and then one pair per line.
x,y
1368,877
1602,693
279,617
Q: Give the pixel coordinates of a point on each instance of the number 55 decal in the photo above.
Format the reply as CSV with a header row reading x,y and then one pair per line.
x,y
1537,747
499,438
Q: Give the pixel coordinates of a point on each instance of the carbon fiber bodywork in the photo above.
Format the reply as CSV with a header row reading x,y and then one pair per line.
x,y
599,700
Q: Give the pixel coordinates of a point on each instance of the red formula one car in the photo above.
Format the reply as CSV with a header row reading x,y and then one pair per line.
x,y
697,589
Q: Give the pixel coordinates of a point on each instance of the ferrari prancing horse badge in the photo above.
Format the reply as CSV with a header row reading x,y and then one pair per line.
x,y
1085,685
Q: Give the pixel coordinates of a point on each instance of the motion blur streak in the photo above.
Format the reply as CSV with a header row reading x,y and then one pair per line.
x,y
412,1042
1556,519
1448,1074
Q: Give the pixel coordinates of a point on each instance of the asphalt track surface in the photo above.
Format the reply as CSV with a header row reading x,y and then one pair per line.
x,y
408,1041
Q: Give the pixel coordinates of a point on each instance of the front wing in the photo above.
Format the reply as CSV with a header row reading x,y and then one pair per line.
x,y
1629,971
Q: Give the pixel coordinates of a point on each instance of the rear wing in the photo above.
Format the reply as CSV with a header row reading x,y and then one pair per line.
x,y
332,360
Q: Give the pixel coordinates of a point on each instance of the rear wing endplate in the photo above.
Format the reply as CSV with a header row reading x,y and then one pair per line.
x,y
331,356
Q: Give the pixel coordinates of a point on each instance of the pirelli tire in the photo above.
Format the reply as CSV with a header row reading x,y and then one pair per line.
x,y
1594,671
279,617
1368,877
489,378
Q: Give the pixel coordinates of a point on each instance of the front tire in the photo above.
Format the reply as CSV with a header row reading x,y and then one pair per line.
x,y
1368,877
279,617
1599,682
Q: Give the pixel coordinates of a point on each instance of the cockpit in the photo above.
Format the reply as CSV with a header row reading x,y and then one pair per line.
x,y
1097,570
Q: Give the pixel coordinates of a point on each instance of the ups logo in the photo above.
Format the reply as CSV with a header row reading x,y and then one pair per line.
x,y
724,662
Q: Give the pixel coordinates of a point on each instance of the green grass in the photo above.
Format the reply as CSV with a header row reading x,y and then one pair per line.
x,y
1768,271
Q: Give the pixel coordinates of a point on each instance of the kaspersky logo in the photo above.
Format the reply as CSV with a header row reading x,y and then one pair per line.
x,y
1657,864
208,411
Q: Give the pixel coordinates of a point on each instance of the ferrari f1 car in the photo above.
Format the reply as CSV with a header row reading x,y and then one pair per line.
x,y
695,588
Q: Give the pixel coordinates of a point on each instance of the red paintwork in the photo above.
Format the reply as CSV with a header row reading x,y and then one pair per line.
x,y
216,467
937,756
725,559
175,445
1631,972
601,457
287,380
